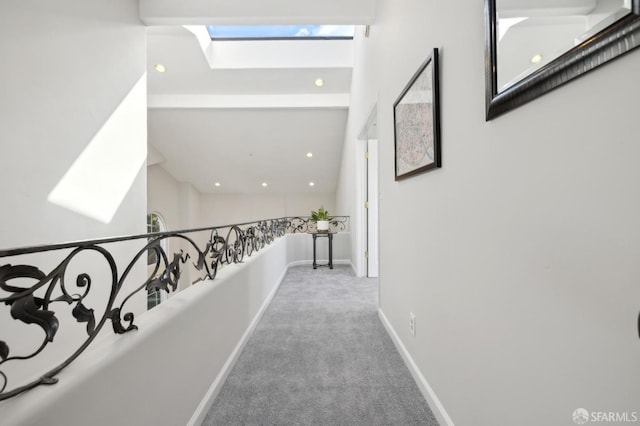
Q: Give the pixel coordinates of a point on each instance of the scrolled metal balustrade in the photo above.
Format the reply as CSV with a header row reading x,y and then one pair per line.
x,y
33,304
300,224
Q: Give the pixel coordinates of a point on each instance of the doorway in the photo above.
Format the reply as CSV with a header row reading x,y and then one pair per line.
x,y
369,179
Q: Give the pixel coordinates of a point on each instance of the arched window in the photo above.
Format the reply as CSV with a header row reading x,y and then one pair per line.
x,y
155,223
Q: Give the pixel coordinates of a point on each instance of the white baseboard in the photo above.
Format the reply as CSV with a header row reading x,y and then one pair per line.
x,y
207,401
427,391
321,261
300,262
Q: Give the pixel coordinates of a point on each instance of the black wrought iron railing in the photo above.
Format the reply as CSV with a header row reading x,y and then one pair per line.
x,y
36,294
298,224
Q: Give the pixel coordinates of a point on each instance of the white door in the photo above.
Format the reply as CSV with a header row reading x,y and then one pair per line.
x,y
370,193
372,210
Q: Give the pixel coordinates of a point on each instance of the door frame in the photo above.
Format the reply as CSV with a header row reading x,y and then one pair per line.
x,y
368,177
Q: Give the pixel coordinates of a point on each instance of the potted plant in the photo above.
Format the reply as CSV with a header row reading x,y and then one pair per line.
x,y
321,218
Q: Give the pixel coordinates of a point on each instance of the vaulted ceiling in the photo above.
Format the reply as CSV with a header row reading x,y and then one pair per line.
x,y
244,113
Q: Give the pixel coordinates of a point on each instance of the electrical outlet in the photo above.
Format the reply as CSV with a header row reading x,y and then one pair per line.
x,y
412,324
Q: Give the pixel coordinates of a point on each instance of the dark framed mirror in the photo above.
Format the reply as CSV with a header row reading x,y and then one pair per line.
x,y
534,46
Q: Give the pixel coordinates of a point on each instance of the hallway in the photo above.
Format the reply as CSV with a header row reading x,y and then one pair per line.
x,y
320,356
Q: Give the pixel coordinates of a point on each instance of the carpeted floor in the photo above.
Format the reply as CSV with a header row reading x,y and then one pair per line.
x,y
321,356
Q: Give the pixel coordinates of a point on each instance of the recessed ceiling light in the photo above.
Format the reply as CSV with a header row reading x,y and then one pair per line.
x,y
264,183
160,68
309,154
319,82
217,184
537,58
312,184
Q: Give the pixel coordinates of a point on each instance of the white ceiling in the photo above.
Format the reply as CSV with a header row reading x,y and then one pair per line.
x,y
241,148
257,12
244,126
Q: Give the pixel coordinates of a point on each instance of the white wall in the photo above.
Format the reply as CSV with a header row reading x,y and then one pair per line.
x,y
73,91
66,71
226,209
518,257
163,193
183,207
300,249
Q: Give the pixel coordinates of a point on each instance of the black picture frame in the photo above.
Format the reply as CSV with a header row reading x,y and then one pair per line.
x,y
416,122
617,39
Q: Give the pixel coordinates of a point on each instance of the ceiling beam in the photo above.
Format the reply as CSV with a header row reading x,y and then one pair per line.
x,y
332,101
257,12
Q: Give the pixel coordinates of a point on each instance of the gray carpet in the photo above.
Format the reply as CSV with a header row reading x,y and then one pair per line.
x,y
321,356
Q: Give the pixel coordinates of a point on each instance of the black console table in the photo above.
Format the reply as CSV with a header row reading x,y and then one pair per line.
x,y
329,235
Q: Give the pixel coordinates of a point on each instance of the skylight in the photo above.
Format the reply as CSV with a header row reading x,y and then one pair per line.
x,y
280,32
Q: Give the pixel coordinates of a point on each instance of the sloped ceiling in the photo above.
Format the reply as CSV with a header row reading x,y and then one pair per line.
x,y
241,126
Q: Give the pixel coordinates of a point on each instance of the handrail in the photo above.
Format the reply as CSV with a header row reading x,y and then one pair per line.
x,y
32,304
297,223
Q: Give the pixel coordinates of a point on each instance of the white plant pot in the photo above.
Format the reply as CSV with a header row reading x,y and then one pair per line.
x,y
323,225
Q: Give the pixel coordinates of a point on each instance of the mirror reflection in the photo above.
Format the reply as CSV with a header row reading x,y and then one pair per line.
x,y
532,33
